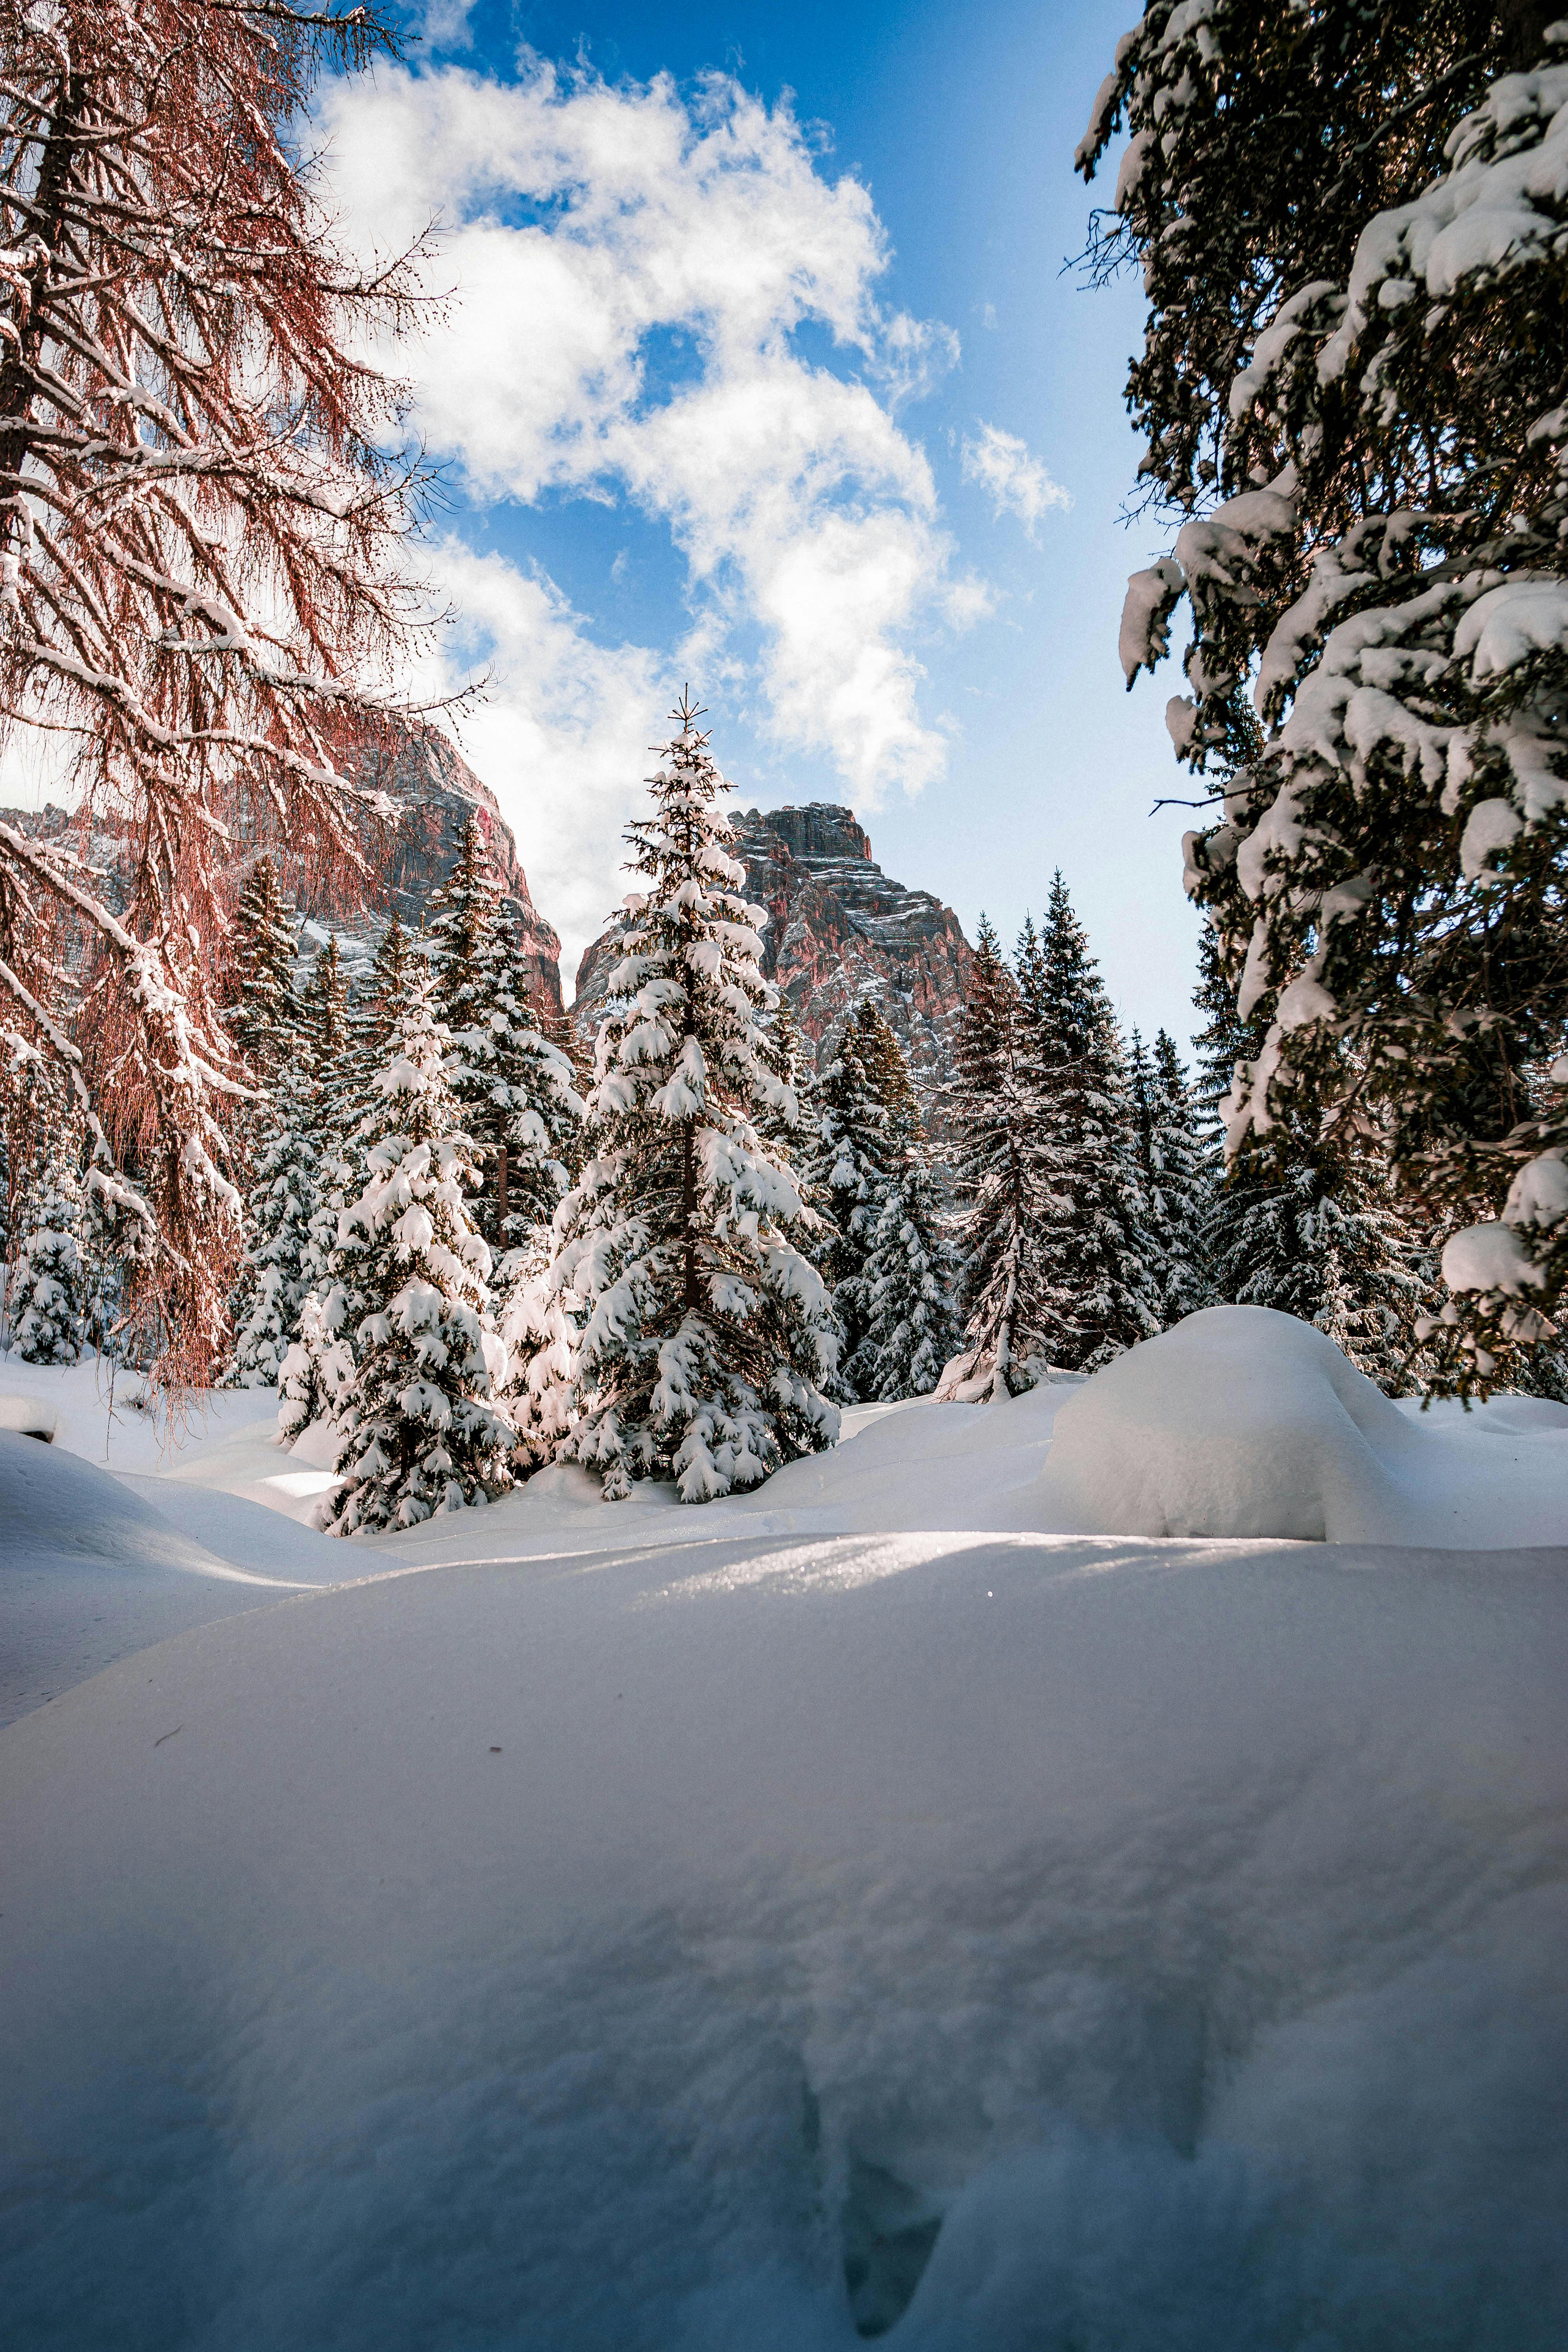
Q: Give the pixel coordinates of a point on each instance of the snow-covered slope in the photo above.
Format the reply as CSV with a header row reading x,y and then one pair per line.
x,y
1079,1943
93,1568
850,1910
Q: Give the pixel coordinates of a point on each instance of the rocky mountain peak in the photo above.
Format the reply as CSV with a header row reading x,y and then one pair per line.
x,y
839,932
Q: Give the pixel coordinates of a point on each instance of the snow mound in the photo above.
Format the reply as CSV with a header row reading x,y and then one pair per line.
x,y
1002,1942
91,1571
1241,1421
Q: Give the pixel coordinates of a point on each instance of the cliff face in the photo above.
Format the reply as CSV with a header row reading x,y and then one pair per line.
x,y
436,792
839,932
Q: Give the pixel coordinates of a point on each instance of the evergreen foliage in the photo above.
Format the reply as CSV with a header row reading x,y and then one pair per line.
x,y
373,1015
788,1126
275,1261
422,1430
1098,1265
698,1337
911,1276
1295,1224
324,1015
47,1297
262,1013
1313,1235
517,1089
316,1366
844,1170
888,1073
1351,389
997,1186
1177,1169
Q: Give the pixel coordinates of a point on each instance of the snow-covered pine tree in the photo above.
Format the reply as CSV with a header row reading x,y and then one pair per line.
x,y
1098,1269
888,1073
910,1276
261,1014
1352,389
996,1181
704,1336
47,1297
788,1126
422,1427
374,1009
1313,1235
1295,1225
324,1012
517,1090
461,924
844,1170
275,1262
1178,1185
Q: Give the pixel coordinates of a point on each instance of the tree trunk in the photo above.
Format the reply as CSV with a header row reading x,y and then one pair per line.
x,y
692,1296
17,375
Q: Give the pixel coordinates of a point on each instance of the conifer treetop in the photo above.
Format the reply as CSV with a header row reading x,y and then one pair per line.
x,y
702,1331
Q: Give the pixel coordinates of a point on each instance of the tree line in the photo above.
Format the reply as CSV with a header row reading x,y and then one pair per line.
x,y
469,1256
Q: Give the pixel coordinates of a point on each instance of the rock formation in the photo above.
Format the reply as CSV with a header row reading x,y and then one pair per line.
x,y
839,932
434,790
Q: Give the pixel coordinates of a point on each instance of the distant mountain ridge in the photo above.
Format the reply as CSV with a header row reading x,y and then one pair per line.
x,y
839,933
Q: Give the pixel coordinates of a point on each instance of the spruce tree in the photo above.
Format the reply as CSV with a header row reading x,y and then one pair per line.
x,y
373,1016
517,1089
701,1337
997,1186
1310,1233
262,1013
422,1431
911,1276
888,1072
1294,1224
1098,1265
788,1126
844,1170
324,1014
1351,389
533,1093
275,1262
1174,1163
48,1286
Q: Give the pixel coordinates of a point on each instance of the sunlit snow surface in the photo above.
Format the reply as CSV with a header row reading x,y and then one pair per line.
x,y
736,1939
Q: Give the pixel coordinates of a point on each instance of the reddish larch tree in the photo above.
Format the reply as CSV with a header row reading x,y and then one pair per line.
x,y
204,487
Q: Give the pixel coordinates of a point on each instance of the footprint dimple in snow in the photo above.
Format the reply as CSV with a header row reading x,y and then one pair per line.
x,y
889,2229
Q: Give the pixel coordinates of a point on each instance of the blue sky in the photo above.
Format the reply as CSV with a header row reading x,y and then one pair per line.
x,y
762,369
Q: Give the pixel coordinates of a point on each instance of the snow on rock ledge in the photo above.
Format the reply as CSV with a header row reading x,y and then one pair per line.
x,y
1241,1421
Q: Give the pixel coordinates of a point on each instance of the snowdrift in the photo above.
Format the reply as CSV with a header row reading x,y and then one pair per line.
x,y
999,1942
93,1568
1241,1421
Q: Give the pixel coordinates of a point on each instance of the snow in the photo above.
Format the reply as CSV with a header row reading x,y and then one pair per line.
x,y
94,1568
1243,1423
880,1900
664,1949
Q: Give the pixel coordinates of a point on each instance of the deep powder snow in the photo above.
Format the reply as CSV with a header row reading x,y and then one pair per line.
x,y
684,1930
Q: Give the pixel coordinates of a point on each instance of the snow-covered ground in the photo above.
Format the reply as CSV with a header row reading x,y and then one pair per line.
x,y
851,1909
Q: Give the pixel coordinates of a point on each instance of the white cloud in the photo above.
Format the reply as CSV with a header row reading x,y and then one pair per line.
x,y
561,738
1018,484
444,24
588,227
